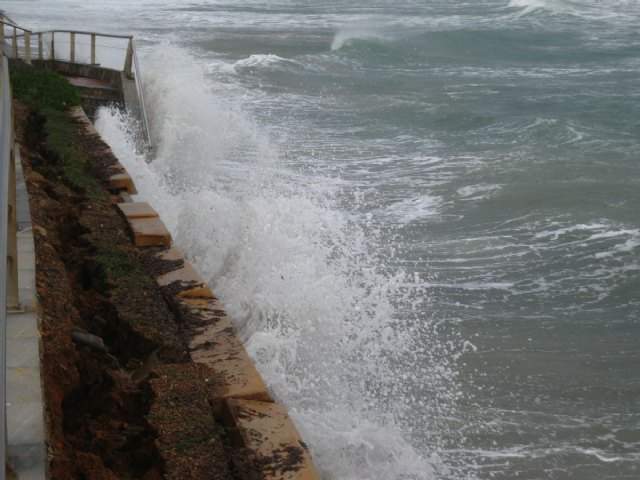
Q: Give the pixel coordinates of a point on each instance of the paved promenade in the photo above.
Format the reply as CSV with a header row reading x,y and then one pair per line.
x,y
25,419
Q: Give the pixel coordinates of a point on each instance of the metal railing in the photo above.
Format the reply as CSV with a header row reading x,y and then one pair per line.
x,y
75,46
25,36
48,45
138,78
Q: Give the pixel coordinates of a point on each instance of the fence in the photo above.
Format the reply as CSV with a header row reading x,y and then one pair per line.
x,y
116,52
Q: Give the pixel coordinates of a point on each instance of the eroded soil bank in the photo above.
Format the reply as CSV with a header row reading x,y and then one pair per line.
x,y
122,398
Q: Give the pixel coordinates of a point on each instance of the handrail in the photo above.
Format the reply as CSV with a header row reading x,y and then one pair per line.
x,y
14,25
4,15
5,154
81,32
130,68
138,79
14,45
72,35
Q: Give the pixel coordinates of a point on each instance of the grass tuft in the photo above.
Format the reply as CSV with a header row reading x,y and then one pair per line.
x,y
41,89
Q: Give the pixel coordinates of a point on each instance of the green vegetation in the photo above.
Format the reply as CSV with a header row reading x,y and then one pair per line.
x,y
62,142
120,270
49,96
41,89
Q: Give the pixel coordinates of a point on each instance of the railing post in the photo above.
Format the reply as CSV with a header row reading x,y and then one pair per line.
x,y
53,46
40,53
93,49
72,48
14,47
2,31
128,59
27,47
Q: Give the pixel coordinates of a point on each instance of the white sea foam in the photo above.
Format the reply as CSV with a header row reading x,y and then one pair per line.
x,y
295,275
478,191
414,209
592,9
555,234
259,61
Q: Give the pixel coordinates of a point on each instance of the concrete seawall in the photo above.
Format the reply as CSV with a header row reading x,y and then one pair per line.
x,y
238,395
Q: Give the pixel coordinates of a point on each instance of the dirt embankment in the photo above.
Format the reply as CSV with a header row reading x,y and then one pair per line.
x,y
132,406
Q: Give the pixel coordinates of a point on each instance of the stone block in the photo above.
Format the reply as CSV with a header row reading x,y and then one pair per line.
x,y
274,445
137,210
122,181
149,232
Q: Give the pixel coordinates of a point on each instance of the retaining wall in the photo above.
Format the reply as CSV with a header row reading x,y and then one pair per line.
x,y
238,395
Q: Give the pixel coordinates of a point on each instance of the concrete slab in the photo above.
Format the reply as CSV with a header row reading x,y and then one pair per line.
x,y
91,83
24,325
137,210
171,253
272,439
22,352
149,232
27,269
27,460
25,418
122,181
20,423
23,215
23,387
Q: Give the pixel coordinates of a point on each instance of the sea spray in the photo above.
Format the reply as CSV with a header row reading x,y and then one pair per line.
x,y
529,248
302,279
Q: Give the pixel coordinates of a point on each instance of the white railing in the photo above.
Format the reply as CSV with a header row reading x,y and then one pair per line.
x,y
89,48
116,52
138,78
12,41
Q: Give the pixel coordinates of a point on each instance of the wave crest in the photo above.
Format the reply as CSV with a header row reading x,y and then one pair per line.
x,y
347,35
259,61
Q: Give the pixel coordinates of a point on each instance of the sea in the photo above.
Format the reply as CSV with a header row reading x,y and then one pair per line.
x,y
423,216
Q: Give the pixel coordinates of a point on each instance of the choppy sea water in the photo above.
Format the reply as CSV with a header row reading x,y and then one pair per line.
x,y
423,216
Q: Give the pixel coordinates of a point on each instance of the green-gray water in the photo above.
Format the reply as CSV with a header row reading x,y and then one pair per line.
x,y
423,215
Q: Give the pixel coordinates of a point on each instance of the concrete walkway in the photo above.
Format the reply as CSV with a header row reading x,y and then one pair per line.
x,y
25,418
